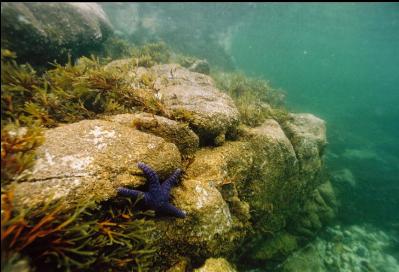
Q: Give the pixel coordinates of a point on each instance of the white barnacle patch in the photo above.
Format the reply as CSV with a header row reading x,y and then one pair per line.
x,y
202,196
43,163
151,146
49,158
76,162
100,137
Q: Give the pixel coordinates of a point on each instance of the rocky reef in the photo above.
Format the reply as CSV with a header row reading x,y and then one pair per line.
x,y
250,193
253,186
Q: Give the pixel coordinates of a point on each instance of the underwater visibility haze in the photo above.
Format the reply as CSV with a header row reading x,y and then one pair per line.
x,y
200,136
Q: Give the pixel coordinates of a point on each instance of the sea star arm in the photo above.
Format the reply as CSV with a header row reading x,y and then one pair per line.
x,y
154,186
171,181
129,192
172,210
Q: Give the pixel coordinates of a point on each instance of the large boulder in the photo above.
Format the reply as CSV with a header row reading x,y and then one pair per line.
x,y
193,97
283,193
43,32
184,96
90,159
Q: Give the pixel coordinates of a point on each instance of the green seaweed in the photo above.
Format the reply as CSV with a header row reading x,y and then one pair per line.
x,y
151,54
255,99
106,236
18,145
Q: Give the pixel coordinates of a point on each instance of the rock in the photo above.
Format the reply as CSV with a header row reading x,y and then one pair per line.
x,y
192,97
171,131
216,265
179,266
344,177
216,222
251,185
307,260
90,159
319,209
200,66
274,175
279,247
43,32
327,192
280,182
308,136
362,250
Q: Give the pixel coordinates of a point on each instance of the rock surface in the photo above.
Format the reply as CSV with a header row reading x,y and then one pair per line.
x,y
192,97
200,66
356,248
92,158
42,32
216,265
308,136
180,134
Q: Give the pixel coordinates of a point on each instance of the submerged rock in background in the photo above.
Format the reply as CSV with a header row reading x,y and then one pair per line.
x,y
200,66
44,32
354,248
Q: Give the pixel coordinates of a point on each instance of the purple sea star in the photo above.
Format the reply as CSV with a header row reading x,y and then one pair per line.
x,y
157,197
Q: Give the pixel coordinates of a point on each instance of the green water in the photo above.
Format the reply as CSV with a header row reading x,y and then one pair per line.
x,y
340,62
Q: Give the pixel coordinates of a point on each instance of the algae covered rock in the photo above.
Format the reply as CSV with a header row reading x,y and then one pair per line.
x,y
42,32
180,134
277,248
217,220
193,97
275,175
216,265
319,208
90,159
308,136
200,66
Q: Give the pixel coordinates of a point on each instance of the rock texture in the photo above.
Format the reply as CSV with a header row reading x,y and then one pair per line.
x,y
216,265
91,159
179,134
192,97
355,248
42,32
